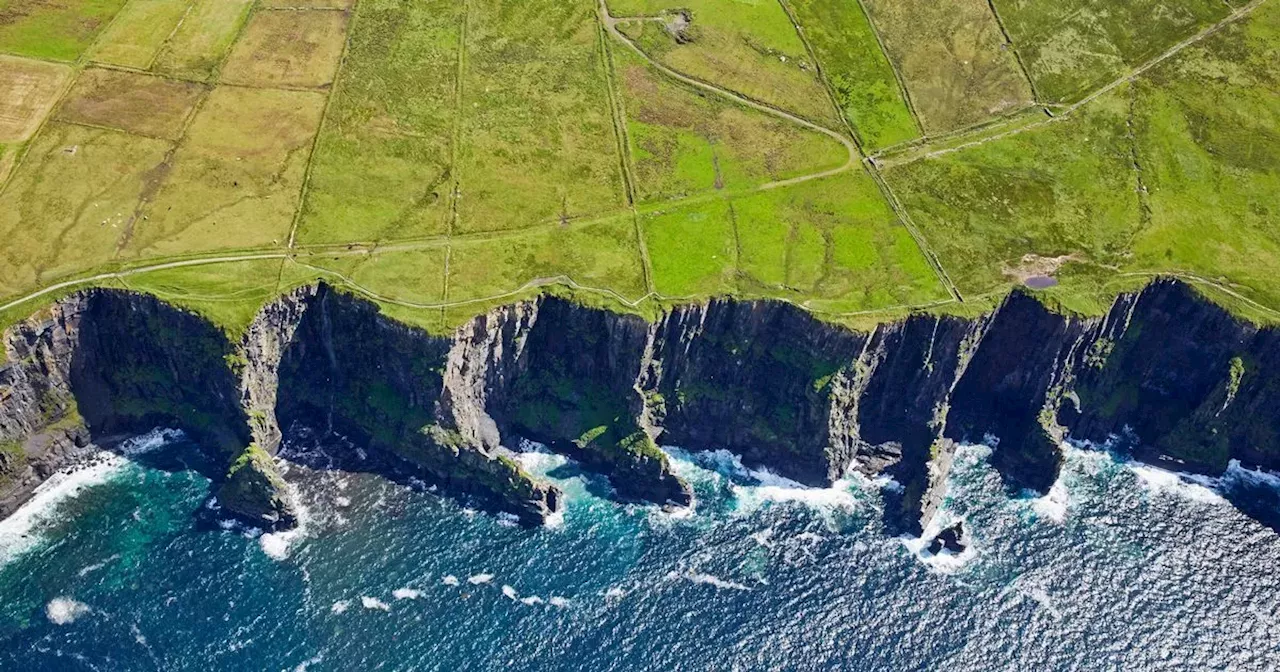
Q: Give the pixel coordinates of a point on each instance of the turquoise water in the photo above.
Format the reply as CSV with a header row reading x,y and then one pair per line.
x,y
1120,568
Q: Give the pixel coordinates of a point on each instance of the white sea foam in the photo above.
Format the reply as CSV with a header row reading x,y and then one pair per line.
x,y
557,601
64,610
406,593
449,580
506,519
706,579
531,600
477,579
314,660
944,561
713,580
1238,472
1195,488
510,593
97,565
374,603
277,545
1054,504
340,606
21,530
614,593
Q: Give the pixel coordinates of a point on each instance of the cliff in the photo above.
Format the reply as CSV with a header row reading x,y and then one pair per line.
x,y
1193,387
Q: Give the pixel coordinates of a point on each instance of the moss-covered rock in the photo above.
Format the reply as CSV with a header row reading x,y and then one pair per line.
x,y
254,491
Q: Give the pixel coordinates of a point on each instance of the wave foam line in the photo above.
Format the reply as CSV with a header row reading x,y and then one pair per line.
x,y
20,532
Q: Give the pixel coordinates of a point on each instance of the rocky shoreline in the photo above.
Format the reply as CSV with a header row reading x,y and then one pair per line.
x,y
1195,387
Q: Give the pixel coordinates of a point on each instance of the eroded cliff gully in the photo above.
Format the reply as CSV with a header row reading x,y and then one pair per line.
x,y
1193,387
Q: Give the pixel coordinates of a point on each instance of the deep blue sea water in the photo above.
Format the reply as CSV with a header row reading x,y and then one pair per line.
x,y
1120,568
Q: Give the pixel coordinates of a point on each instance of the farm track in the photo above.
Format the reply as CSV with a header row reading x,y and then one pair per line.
x,y
294,254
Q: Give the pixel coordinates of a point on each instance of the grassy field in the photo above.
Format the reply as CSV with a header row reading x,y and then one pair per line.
x,y
1209,146
953,58
203,39
138,32
602,254
748,47
298,49
28,90
537,141
1072,46
236,179
74,196
1062,189
685,142
382,167
863,80
55,29
1175,173
150,106
445,156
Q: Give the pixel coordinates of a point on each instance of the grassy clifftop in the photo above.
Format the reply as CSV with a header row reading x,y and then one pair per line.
x,y
441,156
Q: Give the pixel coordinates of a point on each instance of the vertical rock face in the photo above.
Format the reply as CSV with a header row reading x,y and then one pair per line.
x,y
40,425
1008,384
907,375
753,378
1191,385
1196,387
572,384
350,370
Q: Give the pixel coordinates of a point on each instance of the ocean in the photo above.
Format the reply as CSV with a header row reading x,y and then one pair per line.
x,y
121,566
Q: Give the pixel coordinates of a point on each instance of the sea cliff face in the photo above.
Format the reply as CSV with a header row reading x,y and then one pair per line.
x,y
1193,388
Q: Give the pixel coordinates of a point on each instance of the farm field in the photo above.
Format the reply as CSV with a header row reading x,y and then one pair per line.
x,y
953,59
1071,47
748,47
444,156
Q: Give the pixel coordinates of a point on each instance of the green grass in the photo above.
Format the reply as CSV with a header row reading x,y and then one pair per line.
x,y
234,182
55,29
603,255
382,164
748,47
136,35
1209,139
538,141
952,57
229,295
1175,173
1065,188
201,42
1073,46
1202,133
72,200
832,244
692,249
865,86
685,142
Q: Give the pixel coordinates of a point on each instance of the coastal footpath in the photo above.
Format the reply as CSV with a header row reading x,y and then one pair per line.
x,y
1190,387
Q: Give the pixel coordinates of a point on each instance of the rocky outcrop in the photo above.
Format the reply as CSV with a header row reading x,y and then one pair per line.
x,y
1191,386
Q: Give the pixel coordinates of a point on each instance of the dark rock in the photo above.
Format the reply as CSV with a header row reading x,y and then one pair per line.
x,y
951,539
765,380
